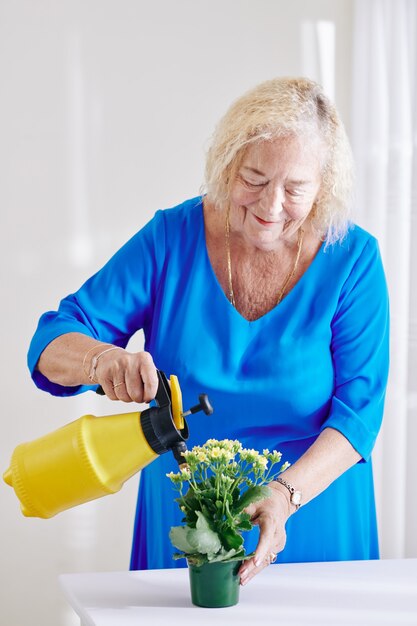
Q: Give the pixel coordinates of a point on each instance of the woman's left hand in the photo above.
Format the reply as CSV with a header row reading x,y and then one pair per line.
x,y
270,515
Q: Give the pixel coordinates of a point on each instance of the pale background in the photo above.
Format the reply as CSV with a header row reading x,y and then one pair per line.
x,y
105,111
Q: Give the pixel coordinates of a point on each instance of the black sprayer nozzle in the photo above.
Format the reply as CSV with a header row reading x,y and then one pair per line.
x,y
177,450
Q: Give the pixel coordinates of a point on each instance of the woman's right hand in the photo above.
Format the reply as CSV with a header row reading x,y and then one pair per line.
x,y
126,376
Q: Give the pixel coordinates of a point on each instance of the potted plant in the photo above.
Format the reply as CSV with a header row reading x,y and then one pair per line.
x,y
218,481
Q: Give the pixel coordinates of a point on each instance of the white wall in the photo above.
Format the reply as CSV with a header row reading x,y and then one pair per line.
x,y
105,110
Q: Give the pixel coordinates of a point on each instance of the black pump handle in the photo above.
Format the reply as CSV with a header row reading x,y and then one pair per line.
x,y
203,406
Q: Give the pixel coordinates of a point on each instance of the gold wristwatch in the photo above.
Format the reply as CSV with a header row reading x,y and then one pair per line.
x,y
295,496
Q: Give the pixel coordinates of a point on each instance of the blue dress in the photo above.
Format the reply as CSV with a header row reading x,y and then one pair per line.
x,y
319,359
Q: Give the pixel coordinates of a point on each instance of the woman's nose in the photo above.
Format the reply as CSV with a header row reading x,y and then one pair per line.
x,y
273,200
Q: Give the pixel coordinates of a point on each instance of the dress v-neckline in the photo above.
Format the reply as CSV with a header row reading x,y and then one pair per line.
x,y
219,287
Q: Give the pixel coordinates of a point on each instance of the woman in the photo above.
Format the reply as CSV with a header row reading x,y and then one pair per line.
x,y
264,296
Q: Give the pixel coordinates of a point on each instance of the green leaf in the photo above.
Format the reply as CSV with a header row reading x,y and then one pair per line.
x,y
205,512
201,539
253,494
244,517
189,500
190,503
230,555
207,495
231,539
223,555
205,540
209,507
180,538
243,522
190,518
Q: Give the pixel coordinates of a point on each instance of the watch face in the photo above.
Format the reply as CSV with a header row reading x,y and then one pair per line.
x,y
296,497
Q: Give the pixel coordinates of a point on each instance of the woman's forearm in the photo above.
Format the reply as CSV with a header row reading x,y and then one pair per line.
x,y
62,361
76,359
326,459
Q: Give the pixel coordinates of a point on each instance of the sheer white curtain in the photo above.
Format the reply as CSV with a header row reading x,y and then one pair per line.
x,y
384,136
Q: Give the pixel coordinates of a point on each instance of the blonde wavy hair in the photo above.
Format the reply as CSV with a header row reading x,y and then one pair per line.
x,y
286,107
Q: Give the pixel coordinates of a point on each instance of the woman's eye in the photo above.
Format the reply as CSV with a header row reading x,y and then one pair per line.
x,y
294,193
252,185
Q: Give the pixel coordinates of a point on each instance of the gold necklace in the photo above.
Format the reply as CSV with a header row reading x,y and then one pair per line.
x,y
288,277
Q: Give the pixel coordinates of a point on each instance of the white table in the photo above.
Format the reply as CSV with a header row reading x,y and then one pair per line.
x,y
352,593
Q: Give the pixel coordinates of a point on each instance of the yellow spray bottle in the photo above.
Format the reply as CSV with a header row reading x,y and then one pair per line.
x,y
94,456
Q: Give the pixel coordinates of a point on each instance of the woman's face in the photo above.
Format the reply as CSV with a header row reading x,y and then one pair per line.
x,y
274,190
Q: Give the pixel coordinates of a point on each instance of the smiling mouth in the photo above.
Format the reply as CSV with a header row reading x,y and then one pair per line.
x,y
264,222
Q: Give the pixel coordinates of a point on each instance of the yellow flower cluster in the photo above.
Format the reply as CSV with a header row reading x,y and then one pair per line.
x,y
213,451
227,456
181,476
229,445
273,456
259,461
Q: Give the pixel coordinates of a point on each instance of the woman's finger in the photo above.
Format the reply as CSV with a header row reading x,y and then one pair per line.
x,y
267,538
270,515
121,391
141,378
149,377
249,570
265,550
107,387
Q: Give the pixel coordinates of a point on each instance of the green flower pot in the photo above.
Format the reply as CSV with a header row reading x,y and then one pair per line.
x,y
214,585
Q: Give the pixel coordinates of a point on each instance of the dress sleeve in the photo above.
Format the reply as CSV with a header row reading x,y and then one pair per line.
x,y
360,350
111,305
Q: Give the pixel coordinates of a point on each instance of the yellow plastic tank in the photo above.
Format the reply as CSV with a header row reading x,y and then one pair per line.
x,y
86,459
94,456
